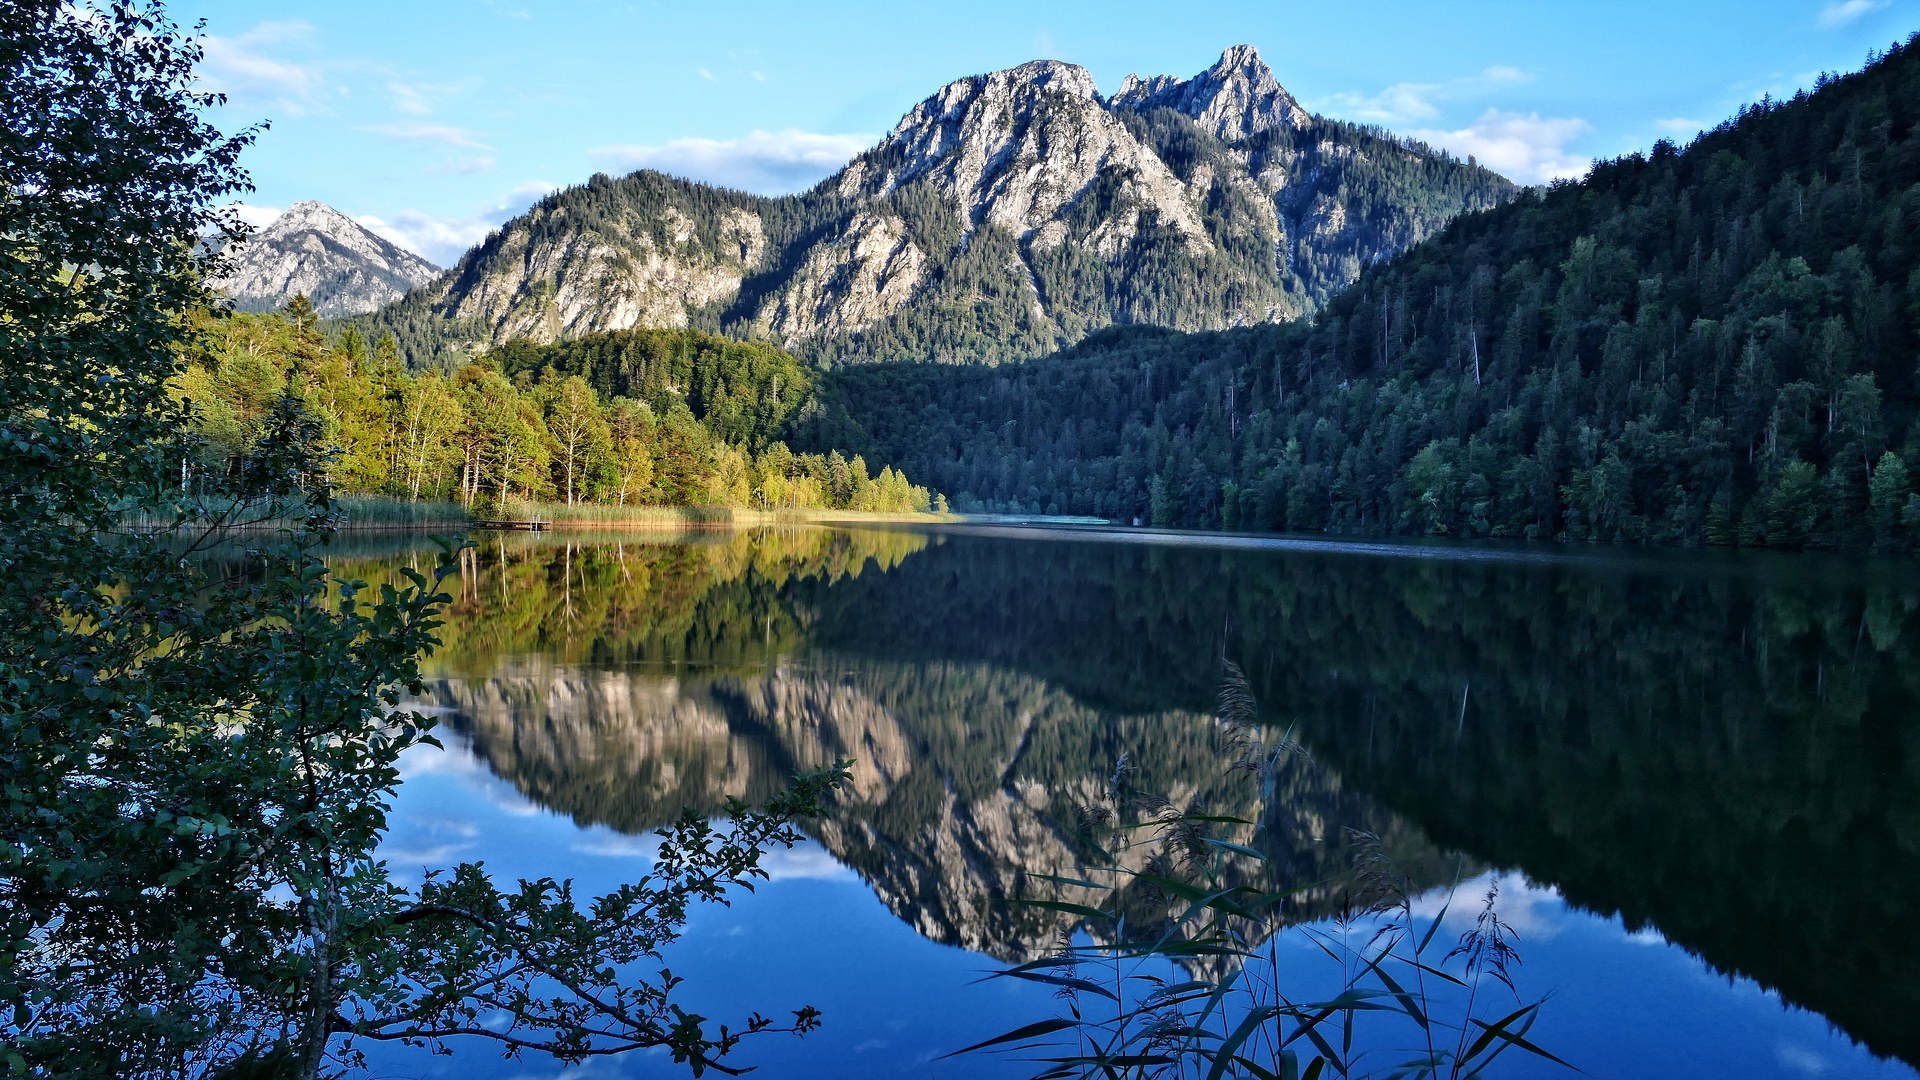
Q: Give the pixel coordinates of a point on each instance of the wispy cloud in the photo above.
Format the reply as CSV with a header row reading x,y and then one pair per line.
x,y
408,99
1404,102
414,131
771,163
1842,12
707,75
254,72
442,239
1531,149
424,98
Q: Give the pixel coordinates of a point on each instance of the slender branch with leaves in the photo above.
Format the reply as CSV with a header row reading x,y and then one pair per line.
x,y
200,725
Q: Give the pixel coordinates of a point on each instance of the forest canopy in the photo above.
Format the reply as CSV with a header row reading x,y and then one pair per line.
x,y
1709,345
630,418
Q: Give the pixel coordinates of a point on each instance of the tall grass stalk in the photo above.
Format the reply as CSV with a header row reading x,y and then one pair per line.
x,y
1179,973
354,513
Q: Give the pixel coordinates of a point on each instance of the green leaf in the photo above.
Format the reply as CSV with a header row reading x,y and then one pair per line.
x,y
1499,1031
1031,1031
1072,909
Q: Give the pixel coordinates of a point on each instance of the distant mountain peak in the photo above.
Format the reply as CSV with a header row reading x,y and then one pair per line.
x,y
1006,214
343,268
1055,75
1236,97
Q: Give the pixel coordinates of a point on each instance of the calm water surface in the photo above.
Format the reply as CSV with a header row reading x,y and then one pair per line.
x,y
1696,776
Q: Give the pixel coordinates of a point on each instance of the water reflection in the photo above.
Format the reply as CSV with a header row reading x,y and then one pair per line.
x,y
1720,748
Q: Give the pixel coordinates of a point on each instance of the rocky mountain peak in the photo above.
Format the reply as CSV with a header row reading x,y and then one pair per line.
x,y
1236,97
314,249
1017,148
1007,214
1055,75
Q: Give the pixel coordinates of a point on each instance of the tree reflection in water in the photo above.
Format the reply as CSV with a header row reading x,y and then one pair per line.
x,y
1722,747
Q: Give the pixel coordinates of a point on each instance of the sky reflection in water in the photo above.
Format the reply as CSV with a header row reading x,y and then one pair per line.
x,y
950,637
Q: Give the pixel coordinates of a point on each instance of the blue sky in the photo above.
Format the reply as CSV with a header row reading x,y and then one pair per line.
x,y
433,122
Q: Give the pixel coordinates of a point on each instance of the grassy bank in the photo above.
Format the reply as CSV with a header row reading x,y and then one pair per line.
x,y
601,516
363,513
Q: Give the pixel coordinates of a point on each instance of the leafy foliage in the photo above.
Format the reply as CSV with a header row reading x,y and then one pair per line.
x,y
631,418
198,742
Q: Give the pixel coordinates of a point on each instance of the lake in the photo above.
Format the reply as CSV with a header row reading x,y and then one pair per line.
x,y
1695,776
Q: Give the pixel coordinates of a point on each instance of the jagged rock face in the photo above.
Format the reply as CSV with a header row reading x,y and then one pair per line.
x,y
947,814
1019,148
1008,214
1231,100
314,249
544,277
847,282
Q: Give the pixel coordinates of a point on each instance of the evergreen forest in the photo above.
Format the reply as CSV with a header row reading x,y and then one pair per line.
x,y
1713,344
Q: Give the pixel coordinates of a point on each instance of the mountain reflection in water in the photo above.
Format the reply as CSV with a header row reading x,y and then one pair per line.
x,y
1720,747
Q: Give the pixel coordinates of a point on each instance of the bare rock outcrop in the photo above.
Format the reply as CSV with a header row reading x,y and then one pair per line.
x,y
1235,98
317,251
1005,215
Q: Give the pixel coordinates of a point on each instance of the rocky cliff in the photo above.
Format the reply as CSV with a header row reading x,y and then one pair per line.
x,y
967,786
314,249
1006,215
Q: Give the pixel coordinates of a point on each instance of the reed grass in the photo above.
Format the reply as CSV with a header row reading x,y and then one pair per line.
x,y
355,513
603,516
1200,989
375,512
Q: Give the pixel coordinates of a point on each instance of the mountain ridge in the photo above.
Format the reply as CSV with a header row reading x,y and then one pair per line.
x,y
1005,215
315,250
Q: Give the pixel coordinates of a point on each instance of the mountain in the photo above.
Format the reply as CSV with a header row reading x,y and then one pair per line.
x,y
314,249
1712,344
1005,216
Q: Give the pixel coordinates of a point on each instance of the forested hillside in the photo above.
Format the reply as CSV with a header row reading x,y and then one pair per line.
x,y
636,418
1708,345
1006,216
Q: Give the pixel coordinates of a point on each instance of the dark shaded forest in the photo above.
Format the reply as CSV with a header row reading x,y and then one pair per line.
x,y
1713,345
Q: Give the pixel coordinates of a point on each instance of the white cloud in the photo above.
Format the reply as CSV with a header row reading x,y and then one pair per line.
x,y
245,69
258,216
408,99
609,844
707,75
1842,12
442,240
1800,1059
770,163
1680,125
1405,102
1535,912
414,131
1530,149
805,860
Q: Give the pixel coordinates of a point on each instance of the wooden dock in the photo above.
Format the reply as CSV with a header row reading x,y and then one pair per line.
x,y
517,526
